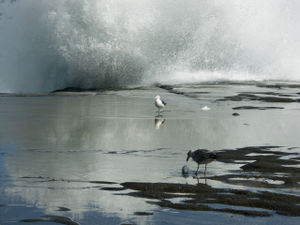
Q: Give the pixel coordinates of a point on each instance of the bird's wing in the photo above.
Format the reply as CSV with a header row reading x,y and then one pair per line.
x,y
202,153
163,102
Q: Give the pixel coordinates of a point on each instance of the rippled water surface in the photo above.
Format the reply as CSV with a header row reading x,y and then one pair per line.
x,y
110,158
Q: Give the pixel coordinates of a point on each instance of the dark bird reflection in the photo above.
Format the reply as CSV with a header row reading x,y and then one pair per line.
x,y
158,121
185,171
201,156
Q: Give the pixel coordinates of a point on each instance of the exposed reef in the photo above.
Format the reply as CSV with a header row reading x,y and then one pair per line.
x,y
255,97
264,168
51,218
202,197
256,107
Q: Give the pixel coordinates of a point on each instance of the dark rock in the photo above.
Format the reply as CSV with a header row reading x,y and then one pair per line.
x,y
74,89
51,218
112,152
166,87
252,97
255,107
102,182
113,188
143,213
63,209
278,86
268,93
260,169
166,187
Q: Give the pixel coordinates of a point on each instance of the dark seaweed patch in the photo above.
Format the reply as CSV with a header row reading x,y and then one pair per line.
x,y
113,188
63,209
268,93
198,196
51,218
102,182
262,167
255,107
143,213
174,90
75,89
253,97
278,86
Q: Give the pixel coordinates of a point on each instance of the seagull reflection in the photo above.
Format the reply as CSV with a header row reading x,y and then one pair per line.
x,y
158,121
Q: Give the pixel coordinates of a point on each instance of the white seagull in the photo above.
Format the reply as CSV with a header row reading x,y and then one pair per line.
x,y
159,103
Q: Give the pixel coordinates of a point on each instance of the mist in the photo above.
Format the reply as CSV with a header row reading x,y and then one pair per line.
x,y
48,45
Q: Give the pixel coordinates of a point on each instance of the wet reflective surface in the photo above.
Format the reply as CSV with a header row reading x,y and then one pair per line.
x,y
91,158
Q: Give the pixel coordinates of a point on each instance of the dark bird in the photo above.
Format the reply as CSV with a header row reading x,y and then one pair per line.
x,y
201,156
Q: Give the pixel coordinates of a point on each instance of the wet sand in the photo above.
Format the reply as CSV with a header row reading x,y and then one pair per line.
x,y
74,157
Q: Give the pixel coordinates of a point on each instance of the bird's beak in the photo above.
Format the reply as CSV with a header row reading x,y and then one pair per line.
x,y
187,159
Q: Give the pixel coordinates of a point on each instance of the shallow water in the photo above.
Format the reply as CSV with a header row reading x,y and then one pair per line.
x,y
68,154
